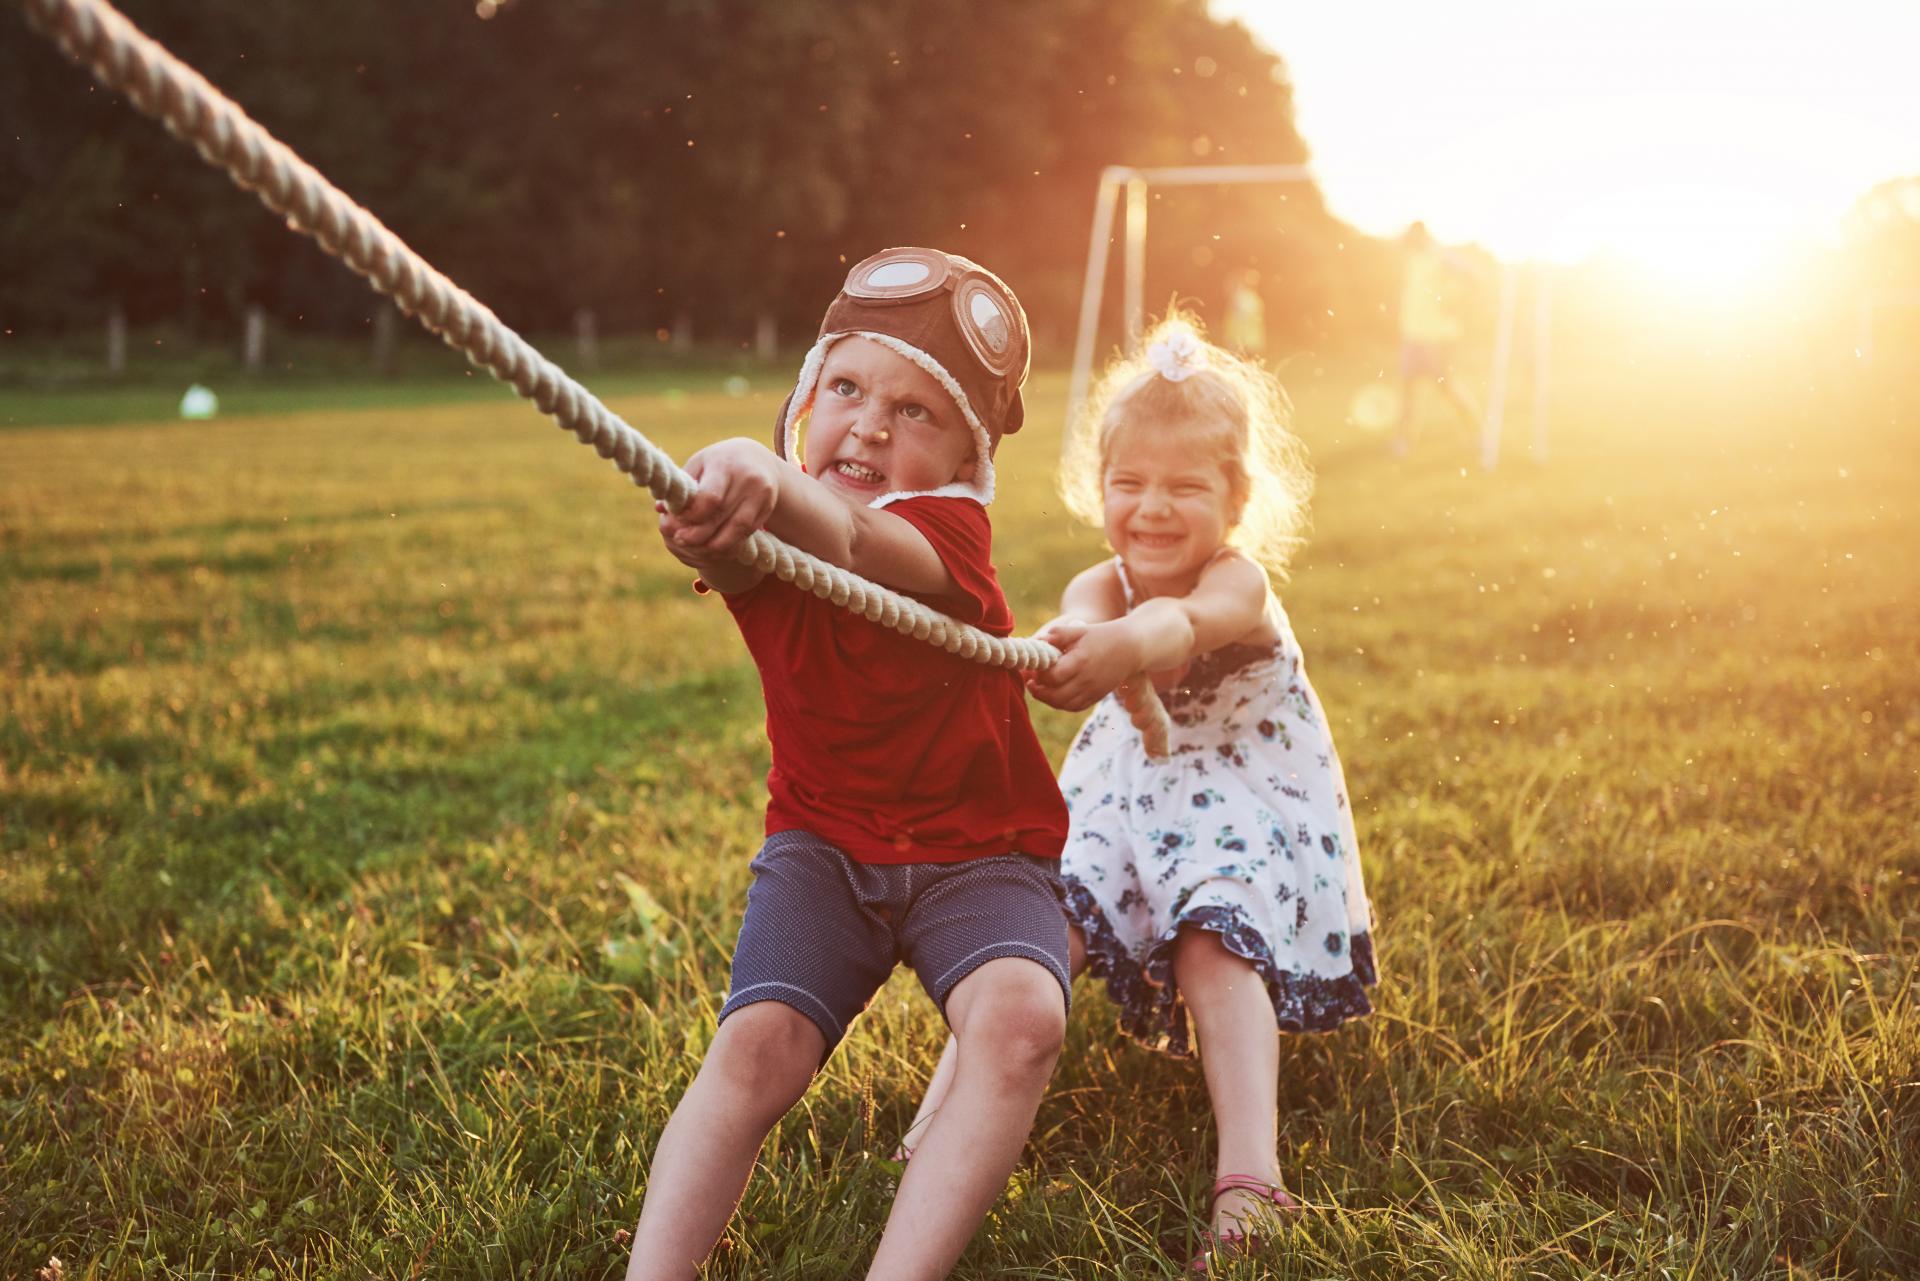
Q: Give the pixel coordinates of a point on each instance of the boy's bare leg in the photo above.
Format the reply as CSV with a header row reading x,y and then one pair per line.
x,y
759,1064
1463,404
1407,434
937,1087
1240,1054
1009,1019
942,1080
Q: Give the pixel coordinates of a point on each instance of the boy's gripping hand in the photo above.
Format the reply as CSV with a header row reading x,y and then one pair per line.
x,y
741,486
738,488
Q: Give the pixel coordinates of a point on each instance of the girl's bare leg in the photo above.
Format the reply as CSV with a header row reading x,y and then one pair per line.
x,y
1240,1055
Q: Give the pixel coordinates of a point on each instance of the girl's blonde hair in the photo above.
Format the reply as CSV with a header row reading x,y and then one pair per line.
x,y
1233,407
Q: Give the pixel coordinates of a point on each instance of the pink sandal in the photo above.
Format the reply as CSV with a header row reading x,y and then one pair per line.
x,y
1231,1244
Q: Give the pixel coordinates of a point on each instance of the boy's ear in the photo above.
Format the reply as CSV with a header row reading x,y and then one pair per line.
x,y
968,470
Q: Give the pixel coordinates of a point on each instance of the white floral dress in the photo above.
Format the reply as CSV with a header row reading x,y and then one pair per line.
x,y
1243,830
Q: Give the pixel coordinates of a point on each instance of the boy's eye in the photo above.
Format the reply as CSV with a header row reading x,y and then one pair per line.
x,y
918,413
842,387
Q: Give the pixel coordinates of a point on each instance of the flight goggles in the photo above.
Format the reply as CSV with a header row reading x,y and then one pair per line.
x,y
959,315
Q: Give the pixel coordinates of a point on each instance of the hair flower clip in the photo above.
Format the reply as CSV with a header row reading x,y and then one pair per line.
x,y
1178,356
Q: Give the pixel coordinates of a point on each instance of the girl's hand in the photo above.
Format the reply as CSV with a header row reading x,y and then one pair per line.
x,y
738,487
1096,658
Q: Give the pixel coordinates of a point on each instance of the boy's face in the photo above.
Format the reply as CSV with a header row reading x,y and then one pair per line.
x,y
883,425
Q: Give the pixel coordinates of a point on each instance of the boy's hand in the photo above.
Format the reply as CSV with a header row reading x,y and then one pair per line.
x,y
738,487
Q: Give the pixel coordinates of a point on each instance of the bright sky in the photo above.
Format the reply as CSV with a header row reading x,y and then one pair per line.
x,y
1694,135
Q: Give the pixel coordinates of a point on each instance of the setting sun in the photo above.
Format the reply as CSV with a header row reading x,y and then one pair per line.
x,y
1696,139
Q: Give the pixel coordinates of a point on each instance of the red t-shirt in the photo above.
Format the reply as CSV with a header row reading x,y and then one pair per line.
x,y
890,748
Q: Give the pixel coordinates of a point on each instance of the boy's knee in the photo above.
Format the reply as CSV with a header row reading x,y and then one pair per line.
x,y
1016,1017
766,1048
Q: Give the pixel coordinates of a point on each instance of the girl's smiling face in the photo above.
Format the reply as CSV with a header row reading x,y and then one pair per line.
x,y
1169,506
883,425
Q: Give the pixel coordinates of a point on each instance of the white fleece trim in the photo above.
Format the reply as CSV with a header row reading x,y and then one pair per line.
x,y
981,488
955,489
804,387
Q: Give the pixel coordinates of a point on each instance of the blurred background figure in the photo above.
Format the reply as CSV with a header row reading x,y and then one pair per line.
x,y
1245,328
1429,331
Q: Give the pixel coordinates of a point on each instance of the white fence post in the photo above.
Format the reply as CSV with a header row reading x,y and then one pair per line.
x,y
586,338
116,342
253,350
383,337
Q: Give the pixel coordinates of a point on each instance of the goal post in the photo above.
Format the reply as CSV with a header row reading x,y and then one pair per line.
x,y
1512,276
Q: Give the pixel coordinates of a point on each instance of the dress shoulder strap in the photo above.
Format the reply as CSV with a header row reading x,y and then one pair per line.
x,y
1126,584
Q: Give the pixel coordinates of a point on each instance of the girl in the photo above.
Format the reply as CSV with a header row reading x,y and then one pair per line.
x,y
1223,878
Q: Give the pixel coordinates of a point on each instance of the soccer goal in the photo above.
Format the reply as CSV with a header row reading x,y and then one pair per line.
x,y
1118,181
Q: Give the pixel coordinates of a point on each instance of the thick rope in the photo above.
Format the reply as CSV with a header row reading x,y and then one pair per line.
x,y
159,84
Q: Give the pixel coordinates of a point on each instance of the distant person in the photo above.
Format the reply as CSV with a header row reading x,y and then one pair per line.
x,y
1245,330
1223,878
1429,332
911,813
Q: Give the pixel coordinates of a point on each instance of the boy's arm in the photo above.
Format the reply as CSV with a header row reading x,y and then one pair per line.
x,y
744,486
1227,603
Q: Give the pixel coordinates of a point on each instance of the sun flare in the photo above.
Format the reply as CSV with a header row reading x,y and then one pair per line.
x,y
1696,139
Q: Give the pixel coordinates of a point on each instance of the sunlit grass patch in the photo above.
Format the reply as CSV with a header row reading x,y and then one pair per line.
x,y
376,798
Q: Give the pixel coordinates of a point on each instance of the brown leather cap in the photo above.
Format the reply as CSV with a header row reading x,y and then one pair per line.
x,y
958,315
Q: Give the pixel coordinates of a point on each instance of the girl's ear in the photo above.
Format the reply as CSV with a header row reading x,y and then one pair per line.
x,y
1238,487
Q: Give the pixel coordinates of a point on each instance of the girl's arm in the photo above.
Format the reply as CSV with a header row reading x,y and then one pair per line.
x,y
1094,596
743,486
1226,604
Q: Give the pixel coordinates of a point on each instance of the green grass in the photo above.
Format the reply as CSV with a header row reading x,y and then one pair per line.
x,y
375,806
154,399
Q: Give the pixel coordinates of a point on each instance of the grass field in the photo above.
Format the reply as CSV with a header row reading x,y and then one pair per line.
x,y
376,800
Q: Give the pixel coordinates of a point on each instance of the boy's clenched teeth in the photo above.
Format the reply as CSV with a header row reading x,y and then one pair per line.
x,y
855,472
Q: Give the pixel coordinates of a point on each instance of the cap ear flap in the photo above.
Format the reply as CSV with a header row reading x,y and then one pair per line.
x,y
780,428
1016,414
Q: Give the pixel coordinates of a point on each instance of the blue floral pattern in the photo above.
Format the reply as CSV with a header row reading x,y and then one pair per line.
x,y
1244,830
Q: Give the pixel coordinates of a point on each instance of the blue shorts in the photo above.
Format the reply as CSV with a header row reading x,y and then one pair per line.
x,y
822,932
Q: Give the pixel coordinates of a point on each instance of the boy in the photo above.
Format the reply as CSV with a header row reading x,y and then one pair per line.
x,y
911,814
1429,332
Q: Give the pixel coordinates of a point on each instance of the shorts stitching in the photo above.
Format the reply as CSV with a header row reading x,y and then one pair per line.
x,y
734,1003
1046,962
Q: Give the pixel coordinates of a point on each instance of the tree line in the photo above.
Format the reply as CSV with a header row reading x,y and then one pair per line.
x,y
712,163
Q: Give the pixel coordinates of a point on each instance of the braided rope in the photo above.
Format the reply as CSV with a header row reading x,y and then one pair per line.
x,y
159,84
